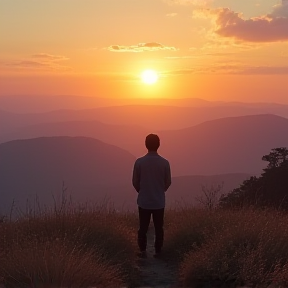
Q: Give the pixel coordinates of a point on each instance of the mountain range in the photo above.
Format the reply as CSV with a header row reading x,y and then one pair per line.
x,y
92,151
151,117
225,145
47,103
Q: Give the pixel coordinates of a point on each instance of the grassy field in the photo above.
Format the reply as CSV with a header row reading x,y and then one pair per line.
x,y
69,248
97,247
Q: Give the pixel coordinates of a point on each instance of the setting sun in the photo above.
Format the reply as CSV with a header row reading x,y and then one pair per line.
x,y
149,77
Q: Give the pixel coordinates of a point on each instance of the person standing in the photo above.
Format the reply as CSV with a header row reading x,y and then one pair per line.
x,y
151,179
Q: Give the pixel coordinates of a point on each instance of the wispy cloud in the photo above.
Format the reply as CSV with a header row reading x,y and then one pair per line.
x,y
141,47
39,61
49,57
232,69
267,28
265,70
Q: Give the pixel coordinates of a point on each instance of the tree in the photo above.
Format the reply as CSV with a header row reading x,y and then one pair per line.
x,y
246,195
268,190
276,158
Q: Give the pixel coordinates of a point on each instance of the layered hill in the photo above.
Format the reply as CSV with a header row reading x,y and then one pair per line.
x,y
152,117
130,138
233,145
227,145
46,103
91,170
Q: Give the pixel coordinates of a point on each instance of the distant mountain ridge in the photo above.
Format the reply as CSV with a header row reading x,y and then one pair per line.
x,y
152,117
47,103
42,103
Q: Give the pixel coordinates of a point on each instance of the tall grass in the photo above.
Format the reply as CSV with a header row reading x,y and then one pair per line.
x,y
96,247
188,228
241,247
72,248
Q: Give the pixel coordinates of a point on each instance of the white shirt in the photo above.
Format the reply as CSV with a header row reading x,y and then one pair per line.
x,y
151,179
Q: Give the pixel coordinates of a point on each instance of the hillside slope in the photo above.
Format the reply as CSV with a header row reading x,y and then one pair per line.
x,y
228,145
89,168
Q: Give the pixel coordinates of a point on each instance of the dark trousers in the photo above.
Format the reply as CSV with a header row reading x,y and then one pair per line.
x,y
144,221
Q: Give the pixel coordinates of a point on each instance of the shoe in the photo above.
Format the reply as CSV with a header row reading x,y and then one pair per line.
x,y
142,254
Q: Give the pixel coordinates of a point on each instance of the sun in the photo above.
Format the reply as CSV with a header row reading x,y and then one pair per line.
x,y
149,77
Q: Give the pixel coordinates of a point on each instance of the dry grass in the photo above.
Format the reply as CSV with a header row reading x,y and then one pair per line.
x,y
241,247
188,228
69,249
97,247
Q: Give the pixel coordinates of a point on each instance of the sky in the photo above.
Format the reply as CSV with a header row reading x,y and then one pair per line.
x,y
229,50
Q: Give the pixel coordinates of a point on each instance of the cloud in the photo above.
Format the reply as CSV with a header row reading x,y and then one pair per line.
x,y
49,57
141,47
26,64
40,61
280,10
228,45
233,69
240,69
266,28
265,70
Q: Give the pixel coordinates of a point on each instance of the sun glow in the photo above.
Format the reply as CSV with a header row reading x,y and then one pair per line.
x,y
149,77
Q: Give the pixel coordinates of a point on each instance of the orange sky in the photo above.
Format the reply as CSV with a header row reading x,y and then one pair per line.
x,y
216,50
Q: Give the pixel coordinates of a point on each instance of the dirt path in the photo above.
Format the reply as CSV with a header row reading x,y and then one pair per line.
x,y
156,272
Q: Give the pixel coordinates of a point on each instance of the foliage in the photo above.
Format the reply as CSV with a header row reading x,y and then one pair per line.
x,y
277,157
268,190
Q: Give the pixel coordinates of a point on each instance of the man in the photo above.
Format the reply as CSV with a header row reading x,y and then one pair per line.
x,y
151,179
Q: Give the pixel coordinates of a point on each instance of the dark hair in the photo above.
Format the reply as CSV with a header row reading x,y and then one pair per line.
x,y
152,142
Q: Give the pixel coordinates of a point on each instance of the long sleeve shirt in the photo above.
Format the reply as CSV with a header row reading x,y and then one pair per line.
x,y
151,179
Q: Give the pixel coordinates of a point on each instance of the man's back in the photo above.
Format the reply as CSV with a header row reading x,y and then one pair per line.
x,y
151,179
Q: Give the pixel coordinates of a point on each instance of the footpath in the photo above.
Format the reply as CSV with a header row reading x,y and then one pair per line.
x,y
156,272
